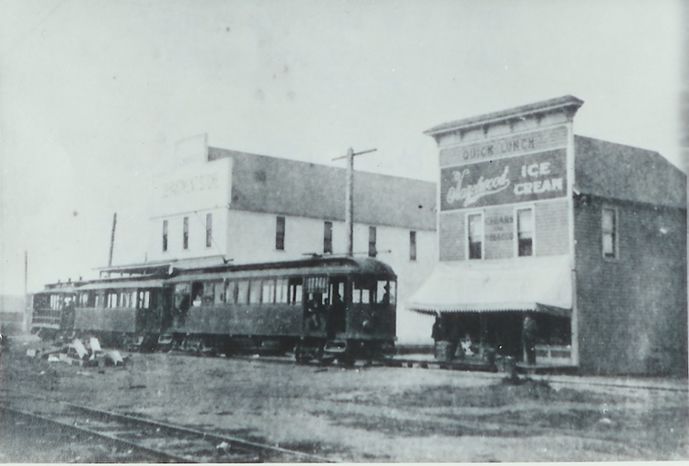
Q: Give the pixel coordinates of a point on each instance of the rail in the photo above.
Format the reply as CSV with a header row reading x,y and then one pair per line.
x,y
159,440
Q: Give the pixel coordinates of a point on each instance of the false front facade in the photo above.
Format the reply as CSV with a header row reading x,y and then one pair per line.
x,y
558,249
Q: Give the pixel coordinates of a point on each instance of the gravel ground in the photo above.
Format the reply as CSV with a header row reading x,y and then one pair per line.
x,y
376,413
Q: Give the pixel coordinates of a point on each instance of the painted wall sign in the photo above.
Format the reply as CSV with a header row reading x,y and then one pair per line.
x,y
516,179
504,147
499,227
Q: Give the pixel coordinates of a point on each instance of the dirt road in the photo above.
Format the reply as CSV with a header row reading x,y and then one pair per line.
x,y
377,413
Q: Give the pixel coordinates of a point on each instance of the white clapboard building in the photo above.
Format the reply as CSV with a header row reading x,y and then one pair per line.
x,y
223,204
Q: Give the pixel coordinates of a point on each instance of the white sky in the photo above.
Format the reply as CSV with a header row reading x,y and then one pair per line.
x,y
93,95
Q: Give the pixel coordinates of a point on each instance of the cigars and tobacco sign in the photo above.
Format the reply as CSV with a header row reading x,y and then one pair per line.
x,y
537,176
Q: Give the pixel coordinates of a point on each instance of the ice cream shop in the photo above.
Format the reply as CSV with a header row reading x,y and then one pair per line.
x,y
557,249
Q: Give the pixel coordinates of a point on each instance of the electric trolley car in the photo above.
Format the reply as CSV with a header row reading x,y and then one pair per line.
x,y
320,307
52,310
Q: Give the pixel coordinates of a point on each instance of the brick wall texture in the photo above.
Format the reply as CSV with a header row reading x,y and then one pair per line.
x,y
632,310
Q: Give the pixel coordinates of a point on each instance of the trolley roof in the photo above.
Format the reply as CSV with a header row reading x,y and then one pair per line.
x,y
311,265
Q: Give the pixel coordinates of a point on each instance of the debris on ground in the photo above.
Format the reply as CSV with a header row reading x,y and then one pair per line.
x,y
79,348
113,358
223,447
82,353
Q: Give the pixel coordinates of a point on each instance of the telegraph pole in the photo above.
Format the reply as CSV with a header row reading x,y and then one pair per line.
x,y
26,316
349,196
112,237
26,272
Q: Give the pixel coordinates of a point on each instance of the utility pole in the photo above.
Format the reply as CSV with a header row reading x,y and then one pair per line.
x,y
26,318
26,272
112,237
349,196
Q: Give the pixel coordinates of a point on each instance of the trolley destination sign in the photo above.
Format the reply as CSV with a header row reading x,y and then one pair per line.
x,y
518,179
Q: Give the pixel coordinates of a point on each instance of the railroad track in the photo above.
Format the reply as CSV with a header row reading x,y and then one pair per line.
x,y
480,370
154,440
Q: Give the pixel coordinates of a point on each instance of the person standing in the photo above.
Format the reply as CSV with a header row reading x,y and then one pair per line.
x,y
529,330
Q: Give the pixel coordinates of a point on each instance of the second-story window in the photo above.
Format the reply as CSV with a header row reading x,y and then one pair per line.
x,y
475,235
327,237
185,233
209,230
280,233
372,251
164,235
609,233
525,232
412,245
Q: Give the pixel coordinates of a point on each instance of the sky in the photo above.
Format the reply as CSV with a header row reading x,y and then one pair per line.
x,y
94,94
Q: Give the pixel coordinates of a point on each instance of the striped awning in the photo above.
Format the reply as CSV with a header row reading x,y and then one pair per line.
x,y
539,284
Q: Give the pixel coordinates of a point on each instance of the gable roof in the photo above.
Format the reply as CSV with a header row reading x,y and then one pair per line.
x,y
262,183
629,173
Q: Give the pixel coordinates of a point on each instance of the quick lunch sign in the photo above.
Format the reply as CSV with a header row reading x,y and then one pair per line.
x,y
531,177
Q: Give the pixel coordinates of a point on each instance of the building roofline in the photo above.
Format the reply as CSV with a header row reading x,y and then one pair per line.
x,y
231,152
515,113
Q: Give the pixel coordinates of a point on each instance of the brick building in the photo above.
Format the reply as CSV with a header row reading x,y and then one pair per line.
x,y
586,237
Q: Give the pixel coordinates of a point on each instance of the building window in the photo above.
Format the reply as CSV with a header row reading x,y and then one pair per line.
x,y
164,235
412,245
609,232
185,233
475,235
280,233
372,252
525,232
209,230
327,238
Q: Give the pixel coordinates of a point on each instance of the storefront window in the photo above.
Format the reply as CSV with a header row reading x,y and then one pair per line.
x,y
525,232
475,235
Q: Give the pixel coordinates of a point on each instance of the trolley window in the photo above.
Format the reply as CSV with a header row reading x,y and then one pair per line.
x,y
337,291
182,296
197,294
209,292
55,302
242,292
123,299
112,299
221,292
255,292
281,289
144,298
100,299
385,292
363,291
295,291
268,291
